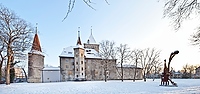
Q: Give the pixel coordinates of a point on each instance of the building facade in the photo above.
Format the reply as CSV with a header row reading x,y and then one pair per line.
x,y
83,62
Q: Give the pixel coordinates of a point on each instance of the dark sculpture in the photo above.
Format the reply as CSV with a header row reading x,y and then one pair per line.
x,y
165,77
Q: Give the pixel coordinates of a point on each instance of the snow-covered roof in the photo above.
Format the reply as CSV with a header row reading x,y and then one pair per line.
x,y
68,52
127,66
79,46
36,52
89,53
51,69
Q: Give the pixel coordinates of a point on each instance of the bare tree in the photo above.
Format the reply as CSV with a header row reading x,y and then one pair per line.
x,y
156,69
188,70
71,5
124,54
148,58
16,34
107,52
136,56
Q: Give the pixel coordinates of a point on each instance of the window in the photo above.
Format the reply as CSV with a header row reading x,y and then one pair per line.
x,y
81,62
77,76
88,50
82,73
76,69
67,60
82,68
76,62
66,66
69,52
82,55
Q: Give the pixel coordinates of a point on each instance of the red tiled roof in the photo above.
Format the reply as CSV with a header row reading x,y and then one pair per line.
x,y
36,44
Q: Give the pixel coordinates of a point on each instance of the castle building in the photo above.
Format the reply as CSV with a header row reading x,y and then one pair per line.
x,y
83,62
35,62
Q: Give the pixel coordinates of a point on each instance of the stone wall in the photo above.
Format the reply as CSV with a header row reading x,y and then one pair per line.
x,y
35,66
129,73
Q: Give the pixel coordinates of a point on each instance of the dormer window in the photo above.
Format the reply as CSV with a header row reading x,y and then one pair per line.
x,y
69,52
88,50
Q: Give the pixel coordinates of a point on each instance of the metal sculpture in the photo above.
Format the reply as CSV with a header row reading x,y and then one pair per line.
x,y
165,77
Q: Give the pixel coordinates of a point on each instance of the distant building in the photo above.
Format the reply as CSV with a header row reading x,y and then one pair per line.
x,y
19,73
197,72
51,74
83,62
177,74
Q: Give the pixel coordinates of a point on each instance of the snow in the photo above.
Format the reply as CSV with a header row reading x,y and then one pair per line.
x,y
51,68
36,52
89,53
185,86
68,52
79,46
128,66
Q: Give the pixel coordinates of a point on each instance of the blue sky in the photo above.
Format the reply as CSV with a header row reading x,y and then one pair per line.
x,y
140,24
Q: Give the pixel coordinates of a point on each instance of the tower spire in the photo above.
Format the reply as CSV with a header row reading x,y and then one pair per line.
x,y
36,41
91,39
79,39
36,31
91,30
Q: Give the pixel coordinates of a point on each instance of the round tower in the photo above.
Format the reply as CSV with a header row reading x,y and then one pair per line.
x,y
35,62
79,61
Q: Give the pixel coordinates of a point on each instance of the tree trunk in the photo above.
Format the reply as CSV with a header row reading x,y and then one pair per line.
x,y
25,73
8,71
1,70
144,76
122,77
135,71
8,66
105,70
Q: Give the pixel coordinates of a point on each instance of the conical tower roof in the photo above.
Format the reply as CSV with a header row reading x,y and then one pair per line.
x,y
79,39
36,43
91,39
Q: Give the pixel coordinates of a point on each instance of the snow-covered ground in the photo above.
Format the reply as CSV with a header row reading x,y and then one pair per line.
x,y
185,86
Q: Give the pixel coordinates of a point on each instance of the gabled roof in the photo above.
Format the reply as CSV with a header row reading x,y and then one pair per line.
x,y
36,44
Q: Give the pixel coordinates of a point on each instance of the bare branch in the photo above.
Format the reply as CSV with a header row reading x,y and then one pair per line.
x,y
70,8
180,10
71,5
